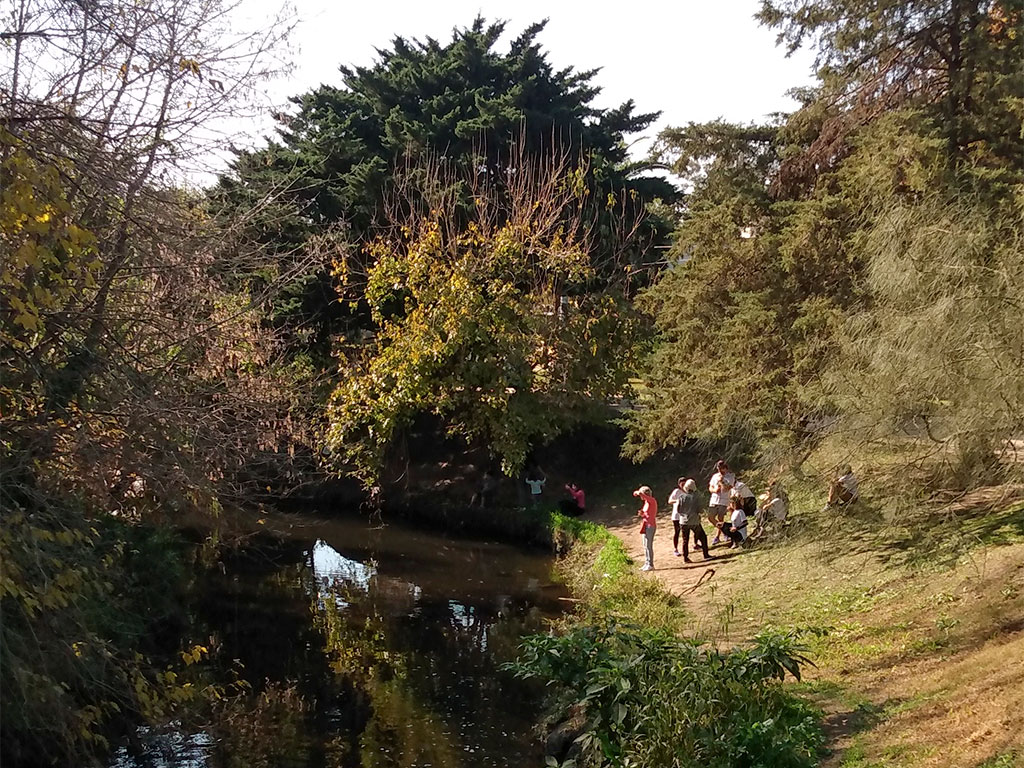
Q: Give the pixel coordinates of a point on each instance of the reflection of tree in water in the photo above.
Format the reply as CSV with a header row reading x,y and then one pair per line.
x,y
429,669
402,732
351,668
454,651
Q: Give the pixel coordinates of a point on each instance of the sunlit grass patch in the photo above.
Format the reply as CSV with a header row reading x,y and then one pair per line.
x,y
600,572
1011,759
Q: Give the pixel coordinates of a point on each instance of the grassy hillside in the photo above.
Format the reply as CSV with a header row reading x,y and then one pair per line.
x,y
912,605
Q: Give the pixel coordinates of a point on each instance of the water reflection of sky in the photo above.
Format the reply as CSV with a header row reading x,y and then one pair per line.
x,y
465,617
329,565
439,609
332,569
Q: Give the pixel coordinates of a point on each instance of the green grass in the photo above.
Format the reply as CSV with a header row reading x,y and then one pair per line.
x,y
898,756
1011,759
900,516
603,577
880,581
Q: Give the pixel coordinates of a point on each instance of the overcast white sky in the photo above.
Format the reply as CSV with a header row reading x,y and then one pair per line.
x,y
694,60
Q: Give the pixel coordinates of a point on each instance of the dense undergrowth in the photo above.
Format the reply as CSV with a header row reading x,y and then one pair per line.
x,y
632,692
93,615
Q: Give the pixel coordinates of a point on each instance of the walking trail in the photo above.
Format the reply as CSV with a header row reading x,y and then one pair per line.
x,y
678,577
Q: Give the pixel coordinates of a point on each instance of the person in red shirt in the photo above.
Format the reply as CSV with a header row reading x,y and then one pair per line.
x,y
577,505
649,513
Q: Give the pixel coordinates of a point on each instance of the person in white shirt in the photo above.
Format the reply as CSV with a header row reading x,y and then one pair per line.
x,y
844,488
673,500
720,486
746,495
736,527
773,509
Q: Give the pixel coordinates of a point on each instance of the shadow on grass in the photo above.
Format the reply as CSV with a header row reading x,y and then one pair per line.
x,y
847,714
918,538
850,722
941,541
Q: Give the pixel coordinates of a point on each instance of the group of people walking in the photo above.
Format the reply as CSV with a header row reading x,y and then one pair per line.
x,y
731,508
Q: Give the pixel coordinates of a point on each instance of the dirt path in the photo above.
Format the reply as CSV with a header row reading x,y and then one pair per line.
x,y
687,581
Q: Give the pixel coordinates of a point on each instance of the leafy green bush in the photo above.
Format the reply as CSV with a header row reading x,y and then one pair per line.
x,y
649,698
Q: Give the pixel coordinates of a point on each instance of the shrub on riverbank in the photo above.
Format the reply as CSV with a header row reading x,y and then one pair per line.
x,y
85,602
648,697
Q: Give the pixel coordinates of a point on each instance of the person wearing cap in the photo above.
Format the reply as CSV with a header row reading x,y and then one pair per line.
x,y
649,514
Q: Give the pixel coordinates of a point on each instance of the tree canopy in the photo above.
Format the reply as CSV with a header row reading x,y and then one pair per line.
x,y
464,102
812,289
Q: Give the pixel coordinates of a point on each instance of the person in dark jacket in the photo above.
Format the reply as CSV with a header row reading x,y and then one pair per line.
x,y
686,518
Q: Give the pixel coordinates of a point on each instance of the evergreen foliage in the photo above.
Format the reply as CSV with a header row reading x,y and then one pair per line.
x,y
464,102
854,266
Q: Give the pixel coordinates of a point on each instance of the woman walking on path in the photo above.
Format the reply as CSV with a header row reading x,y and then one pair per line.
x,y
686,518
673,499
721,484
649,513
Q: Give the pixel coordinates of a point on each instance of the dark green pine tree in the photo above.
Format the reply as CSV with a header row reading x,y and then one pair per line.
x,y
464,102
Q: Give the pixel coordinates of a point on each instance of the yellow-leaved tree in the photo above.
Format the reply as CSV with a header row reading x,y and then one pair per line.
x,y
489,316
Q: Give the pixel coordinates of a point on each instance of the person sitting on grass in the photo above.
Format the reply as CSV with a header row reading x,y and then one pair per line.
x,y
773,510
649,513
735,528
576,505
842,489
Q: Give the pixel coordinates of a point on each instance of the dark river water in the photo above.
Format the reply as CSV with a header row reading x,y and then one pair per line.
x,y
363,645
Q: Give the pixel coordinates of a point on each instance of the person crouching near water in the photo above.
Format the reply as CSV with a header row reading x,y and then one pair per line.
x,y
649,514
735,528
577,505
686,518
720,486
